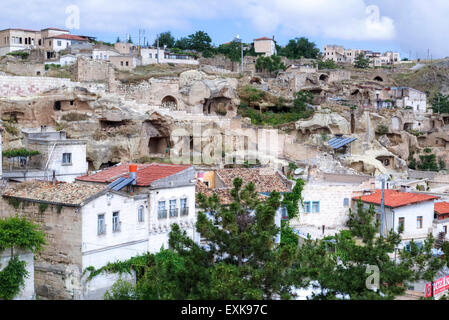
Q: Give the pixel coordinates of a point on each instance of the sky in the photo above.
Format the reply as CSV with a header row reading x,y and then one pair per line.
x,y
412,27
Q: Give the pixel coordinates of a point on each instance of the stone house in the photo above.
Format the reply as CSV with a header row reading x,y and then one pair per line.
x,y
124,62
265,45
327,199
19,39
104,52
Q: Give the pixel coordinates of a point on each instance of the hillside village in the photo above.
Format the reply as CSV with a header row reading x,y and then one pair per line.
x,y
89,150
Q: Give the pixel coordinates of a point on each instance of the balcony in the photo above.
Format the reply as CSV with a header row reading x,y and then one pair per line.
x,y
162,214
184,211
173,213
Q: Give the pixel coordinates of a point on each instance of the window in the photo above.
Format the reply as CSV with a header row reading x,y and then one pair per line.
x,y
59,43
184,209
66,158
173,209
316,207
402,223
140,214
346,202
151,56
307,207
162,212
101,226
115,222
121,63
445,229
419,222
127,63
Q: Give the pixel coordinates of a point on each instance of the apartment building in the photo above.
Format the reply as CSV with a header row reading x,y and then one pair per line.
x,y
339,54
19,39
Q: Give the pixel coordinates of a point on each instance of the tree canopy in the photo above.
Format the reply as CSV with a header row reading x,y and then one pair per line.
x,y
165,39
440,103
272,64
361,62
300,48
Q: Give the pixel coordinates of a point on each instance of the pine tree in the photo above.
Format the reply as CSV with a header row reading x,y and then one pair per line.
x,y
361,62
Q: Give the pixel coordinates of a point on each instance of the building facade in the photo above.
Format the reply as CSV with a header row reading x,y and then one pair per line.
x,y
266,46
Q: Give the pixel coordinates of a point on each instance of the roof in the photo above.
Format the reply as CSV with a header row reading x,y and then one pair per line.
x,y
264,179
442,207
223,194
396,199
68,37
70,194
57,29
146,173
19,29
338,142
263,38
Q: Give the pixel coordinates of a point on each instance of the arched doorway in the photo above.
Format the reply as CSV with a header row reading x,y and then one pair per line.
x,y
169,102
378,78
324,77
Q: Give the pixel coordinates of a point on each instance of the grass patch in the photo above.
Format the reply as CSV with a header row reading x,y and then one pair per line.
x,y
271,118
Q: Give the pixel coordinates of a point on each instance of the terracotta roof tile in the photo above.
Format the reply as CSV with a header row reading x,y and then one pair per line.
x,y
68,37
223,194
442,207
146,173
61,192
396,199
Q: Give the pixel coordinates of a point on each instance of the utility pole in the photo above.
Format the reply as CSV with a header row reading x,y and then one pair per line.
x,y
241,45
158,53
382,208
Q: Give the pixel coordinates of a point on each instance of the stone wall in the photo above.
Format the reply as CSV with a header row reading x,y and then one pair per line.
x,y
25,68
57,273
11,86
88,70
220,62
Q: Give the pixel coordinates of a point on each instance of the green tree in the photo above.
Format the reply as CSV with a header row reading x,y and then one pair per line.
x,y
182,43
17,233
231,50
239,261
165,39
328,64
199,41
361,62
440,103
300,48
130,40
272,64
302,98
339,264
121,290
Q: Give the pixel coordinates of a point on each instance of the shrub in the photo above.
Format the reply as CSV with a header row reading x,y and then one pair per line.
x,y
381,129
24,55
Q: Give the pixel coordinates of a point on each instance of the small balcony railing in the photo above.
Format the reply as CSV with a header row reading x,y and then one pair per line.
x,y
162,214
184,211
173,213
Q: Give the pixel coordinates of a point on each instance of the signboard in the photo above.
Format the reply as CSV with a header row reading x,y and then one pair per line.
x,y
440,286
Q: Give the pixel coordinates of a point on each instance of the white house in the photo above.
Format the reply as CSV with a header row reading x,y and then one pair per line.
x,y
64,158
103,52
409,98
413,211
150,56
441,221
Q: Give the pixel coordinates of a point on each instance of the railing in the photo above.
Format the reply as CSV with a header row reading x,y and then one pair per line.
x,y
162,214
185,211
173,213
117,227
102,230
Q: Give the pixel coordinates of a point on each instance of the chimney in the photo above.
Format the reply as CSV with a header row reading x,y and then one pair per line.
x,y
133,173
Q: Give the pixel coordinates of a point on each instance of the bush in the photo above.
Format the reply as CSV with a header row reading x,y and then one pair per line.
x,y
381,129
24,55
328,64
22,152
121,290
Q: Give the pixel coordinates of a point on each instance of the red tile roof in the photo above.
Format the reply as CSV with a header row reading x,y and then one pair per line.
x,y
146,173
442,207
68,37
396,199
263,38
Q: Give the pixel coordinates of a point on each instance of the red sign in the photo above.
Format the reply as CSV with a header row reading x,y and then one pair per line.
x,y
440,285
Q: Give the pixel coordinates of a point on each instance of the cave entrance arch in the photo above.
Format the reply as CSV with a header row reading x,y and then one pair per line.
x,y
169,102
324,77
378,78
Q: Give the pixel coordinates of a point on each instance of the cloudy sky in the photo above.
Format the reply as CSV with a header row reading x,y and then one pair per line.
x,y
412,27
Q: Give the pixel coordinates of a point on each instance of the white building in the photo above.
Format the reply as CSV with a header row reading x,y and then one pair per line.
x,y
413,211
112,215
103,52
150,56
327,200
409,98
64,158
441,218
